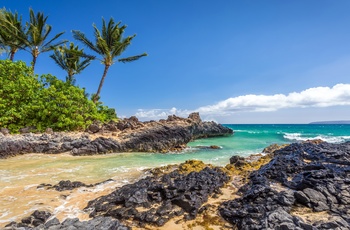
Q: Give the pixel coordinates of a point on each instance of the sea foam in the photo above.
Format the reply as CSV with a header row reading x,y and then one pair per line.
x,y
330,139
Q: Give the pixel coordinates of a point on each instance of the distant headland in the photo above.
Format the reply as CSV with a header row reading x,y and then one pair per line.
x,y
346,122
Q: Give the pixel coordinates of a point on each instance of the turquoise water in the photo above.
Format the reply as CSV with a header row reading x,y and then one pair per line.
x,y
250,139
247,139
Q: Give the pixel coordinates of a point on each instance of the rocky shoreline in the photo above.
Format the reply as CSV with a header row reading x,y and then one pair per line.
x,y
127,135
300,186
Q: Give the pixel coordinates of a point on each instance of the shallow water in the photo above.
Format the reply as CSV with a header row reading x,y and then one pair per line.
x,y
21,175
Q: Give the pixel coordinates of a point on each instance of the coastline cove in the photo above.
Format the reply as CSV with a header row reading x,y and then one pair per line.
x,y
152,190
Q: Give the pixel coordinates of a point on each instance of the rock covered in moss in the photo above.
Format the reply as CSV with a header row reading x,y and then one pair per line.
x,y
274,147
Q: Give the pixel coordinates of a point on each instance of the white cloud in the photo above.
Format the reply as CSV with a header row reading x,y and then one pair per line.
x,y
313,97
338,95
156,114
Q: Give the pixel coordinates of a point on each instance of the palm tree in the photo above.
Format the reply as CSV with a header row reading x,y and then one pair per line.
x,y
37,34
12,33
73,60
109,44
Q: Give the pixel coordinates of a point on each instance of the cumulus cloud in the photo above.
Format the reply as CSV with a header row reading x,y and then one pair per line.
x,y
313,97
155,114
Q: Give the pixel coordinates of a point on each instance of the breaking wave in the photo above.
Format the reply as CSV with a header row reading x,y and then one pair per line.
x,y
304,137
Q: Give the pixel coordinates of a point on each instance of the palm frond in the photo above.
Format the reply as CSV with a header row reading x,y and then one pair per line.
x,y
109,43
45,32
58,57
82,65
50,47
48,44
133,58
102,45
71,59
83,39
12,32
121,46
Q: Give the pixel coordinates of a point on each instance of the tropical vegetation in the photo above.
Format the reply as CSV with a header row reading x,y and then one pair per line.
x,y
37,36
72,60
12,32
109,44
45,101
27,100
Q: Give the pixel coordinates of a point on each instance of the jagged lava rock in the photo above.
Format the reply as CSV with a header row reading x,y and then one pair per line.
x,y
133,135
310,175
155,200
39,220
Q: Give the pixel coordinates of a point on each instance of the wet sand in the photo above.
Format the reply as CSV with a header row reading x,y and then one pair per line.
x,y
21,175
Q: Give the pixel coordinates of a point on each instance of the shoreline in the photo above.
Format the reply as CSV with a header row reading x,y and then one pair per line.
x,y
128,135
277,186
299,185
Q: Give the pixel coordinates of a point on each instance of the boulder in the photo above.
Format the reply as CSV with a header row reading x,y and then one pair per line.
x,y
4,131
94,128
195,117
48,131
28,129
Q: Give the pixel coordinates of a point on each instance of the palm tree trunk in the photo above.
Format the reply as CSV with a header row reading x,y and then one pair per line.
x,y
70,77
12,55
101,83
33,63
35,54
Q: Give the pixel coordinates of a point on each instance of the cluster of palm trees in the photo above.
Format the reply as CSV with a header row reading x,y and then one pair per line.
x,y
32,37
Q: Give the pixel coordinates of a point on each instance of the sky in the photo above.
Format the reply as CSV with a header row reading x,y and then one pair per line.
x,y
239,62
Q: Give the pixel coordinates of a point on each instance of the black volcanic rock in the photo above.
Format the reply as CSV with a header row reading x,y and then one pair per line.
x,y
160,198
39,220
64,185
133,136
310,175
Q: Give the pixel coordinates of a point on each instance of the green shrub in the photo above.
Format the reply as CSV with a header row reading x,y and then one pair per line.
x,y
28,100
18,90
62,106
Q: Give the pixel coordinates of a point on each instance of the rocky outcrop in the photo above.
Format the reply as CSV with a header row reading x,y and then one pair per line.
x,y
155,200
125,136
305,177
40,220
64,185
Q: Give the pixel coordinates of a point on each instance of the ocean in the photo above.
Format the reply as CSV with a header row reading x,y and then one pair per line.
x,y
21,175
253,138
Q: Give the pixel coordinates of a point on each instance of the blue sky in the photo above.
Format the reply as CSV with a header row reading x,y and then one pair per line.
x,y
233,61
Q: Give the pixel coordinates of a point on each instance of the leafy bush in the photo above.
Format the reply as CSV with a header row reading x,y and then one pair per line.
x,y
18,90
28,100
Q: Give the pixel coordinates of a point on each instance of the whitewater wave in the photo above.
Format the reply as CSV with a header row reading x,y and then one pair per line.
x,y
330,139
